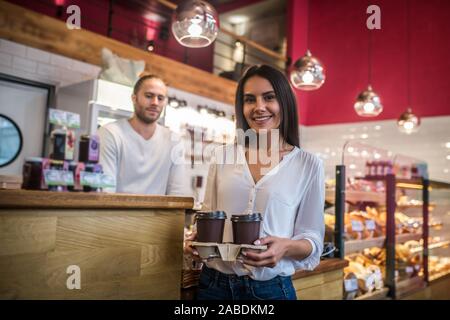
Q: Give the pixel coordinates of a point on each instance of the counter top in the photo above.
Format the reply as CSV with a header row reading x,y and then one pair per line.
x,y
78,200
324,266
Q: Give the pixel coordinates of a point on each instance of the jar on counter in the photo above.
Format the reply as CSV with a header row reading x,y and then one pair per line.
x,y
89,150
54,177
93,168
33,173
63,143
75,168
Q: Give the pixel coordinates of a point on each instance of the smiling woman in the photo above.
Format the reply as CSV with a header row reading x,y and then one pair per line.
x,y
265,99
288,194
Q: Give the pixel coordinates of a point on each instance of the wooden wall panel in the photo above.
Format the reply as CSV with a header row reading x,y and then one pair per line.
x,y
327,291
159,258
20,235
134,256
322,286
317,280
101,232
36,30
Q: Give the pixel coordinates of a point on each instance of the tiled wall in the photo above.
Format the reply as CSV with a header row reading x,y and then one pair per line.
x,y
41,66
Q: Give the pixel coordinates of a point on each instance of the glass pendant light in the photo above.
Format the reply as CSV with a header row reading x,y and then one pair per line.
x,y
368,103
408,122
308,72
195,24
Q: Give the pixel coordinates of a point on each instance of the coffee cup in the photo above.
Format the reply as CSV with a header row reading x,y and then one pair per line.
x,y
246,228
210,225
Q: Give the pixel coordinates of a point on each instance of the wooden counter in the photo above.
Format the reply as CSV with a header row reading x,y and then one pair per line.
x,y
437,289
323,283
126,246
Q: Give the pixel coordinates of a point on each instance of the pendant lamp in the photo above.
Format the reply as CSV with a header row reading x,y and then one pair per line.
x,y
195,24
408,122
368,102
308,72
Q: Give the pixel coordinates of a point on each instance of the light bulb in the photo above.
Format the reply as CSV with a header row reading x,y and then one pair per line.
x,y
307,77
195,30
369,107
408,125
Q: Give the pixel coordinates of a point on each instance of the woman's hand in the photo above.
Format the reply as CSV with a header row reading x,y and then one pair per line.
x,y
188,248
277,249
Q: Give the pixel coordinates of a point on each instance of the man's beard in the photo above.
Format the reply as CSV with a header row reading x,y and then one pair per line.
x,y
142,117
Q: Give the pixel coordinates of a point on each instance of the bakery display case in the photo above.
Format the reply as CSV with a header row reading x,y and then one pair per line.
x,y
359,220
383,243
438,228
410,195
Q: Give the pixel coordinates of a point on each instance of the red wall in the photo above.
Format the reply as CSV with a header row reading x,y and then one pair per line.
x,y
128,25
339,39
296,44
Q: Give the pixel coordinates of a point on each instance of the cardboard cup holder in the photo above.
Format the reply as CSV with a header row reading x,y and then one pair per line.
x,y
224,251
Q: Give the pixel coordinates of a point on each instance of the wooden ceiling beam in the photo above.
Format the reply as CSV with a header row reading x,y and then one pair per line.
x,y
36,30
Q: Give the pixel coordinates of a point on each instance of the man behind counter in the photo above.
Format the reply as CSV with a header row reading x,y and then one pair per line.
x,y
145,157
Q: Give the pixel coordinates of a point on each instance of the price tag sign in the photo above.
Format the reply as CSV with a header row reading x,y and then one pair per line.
x,y
91,179
357,226
73,120
67,177
370,225
57,117
53,177
351,285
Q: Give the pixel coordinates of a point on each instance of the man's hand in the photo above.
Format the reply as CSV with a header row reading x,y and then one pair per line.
x,y
277,248
188,248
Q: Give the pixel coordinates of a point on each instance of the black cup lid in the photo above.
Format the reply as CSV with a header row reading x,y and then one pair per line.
x,y
211,215
246,217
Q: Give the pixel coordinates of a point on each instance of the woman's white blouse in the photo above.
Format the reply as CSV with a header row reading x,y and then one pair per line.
x,y
290,198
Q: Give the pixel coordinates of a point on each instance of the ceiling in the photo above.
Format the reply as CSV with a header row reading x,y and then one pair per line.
x,y
428,144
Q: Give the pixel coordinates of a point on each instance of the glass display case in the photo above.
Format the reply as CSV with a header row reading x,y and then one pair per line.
x,y
360,219
439,231
376,228
411,220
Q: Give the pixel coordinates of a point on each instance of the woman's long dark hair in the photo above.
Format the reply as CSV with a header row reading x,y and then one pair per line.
x,y
284,95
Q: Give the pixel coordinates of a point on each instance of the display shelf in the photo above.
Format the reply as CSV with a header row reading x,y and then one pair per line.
x,y
353,246
436,245
375,295
401,238
354,196
431,206
417,182
436,225
409,286
439,276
